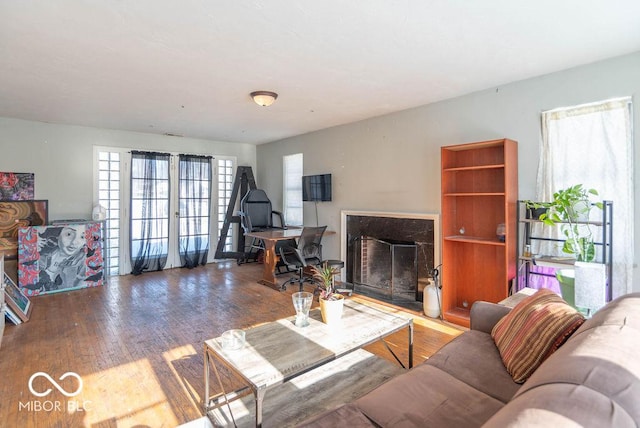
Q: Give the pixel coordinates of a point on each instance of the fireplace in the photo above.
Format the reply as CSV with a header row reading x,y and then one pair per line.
x,y
390,256
387,268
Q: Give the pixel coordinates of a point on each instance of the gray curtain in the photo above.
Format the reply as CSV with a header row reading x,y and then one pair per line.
x,y
195,207
149,226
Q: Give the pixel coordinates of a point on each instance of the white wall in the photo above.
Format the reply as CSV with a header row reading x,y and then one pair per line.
x,y
392,163
61,157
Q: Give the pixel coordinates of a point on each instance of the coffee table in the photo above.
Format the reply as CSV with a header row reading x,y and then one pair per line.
x,y
278,352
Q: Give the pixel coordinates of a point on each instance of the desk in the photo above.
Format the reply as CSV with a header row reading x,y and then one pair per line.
x,y
270,238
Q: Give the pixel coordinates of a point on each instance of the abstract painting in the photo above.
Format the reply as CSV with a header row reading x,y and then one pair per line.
x,y
60,257
17,214
16,186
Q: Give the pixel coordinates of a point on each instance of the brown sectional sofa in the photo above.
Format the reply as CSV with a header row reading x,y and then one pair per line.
x,y
592,380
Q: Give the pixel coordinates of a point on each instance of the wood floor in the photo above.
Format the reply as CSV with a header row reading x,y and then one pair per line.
x,y
137,344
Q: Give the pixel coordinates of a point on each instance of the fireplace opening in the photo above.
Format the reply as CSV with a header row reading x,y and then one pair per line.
x,y
390,256
388,268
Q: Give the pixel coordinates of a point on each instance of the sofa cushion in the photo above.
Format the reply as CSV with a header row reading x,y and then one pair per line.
x,y
533,330
601,356
561,405
427,397
345,416
485,315
474,359
622,312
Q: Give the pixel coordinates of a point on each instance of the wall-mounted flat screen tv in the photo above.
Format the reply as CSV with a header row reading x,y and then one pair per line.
x,y
316,187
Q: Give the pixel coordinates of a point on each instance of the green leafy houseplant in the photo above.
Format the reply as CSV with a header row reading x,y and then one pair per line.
x,y
323,274
567,208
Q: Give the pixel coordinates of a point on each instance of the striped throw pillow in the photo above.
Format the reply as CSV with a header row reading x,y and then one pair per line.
x,y
534,329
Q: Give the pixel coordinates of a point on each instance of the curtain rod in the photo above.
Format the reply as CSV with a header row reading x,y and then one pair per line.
x,y
139,152
196,156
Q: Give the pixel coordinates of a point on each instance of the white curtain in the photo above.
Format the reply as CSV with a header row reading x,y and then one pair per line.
x,y
592,145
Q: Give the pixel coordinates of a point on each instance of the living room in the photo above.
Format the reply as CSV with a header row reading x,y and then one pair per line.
x,y
383,162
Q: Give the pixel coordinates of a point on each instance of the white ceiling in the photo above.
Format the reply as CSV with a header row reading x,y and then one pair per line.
x,y
187,67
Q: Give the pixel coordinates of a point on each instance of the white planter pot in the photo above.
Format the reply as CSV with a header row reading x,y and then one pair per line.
x,y
331,310
591,285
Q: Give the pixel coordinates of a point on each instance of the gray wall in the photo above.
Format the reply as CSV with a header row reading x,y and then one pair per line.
x,y
61,157
389,163
392,162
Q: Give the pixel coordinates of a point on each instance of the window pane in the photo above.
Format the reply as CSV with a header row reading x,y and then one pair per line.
x,y
109,198
292,191
225,186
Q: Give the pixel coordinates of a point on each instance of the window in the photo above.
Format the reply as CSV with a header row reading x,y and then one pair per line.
x,y
113,190
293,189
225,187
109,197
592,145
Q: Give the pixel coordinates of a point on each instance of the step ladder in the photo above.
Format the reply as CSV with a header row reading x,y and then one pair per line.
x,y
243,182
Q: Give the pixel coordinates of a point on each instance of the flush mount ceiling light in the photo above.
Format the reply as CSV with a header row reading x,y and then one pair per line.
x,y
264,98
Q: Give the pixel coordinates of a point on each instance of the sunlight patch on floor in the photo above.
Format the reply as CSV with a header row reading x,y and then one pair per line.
x,y
438,326
176,355
127,395
433,324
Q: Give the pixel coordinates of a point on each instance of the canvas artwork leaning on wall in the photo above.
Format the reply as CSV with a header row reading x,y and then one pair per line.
x,y
16,186
17,301
13,216
17,214
58,258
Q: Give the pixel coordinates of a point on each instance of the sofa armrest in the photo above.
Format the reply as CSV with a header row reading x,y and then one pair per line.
x,y
485,315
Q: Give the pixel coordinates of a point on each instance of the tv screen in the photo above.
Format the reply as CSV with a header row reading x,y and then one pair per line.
x,y
316,187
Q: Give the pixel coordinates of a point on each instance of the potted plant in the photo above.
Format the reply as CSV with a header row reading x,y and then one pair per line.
x,y
331,303
571,208
534,210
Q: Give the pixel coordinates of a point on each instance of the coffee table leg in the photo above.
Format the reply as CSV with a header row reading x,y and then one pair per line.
x,y
411,344
259,397
208,359
206,381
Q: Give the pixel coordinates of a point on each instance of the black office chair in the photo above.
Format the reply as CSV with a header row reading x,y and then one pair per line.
x,y
308,252
256,215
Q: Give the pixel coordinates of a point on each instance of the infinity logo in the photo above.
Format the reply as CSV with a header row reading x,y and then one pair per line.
x,y
54,383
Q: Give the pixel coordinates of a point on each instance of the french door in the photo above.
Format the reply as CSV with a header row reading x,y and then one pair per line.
x,y
156,207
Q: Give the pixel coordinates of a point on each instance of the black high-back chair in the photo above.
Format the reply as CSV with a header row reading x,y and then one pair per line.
x,y
308,252
256,215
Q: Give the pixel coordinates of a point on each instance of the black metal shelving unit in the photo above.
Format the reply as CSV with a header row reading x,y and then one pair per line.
x,y
526,237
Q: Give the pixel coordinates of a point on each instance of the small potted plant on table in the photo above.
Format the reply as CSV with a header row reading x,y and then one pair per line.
x,y
331,302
